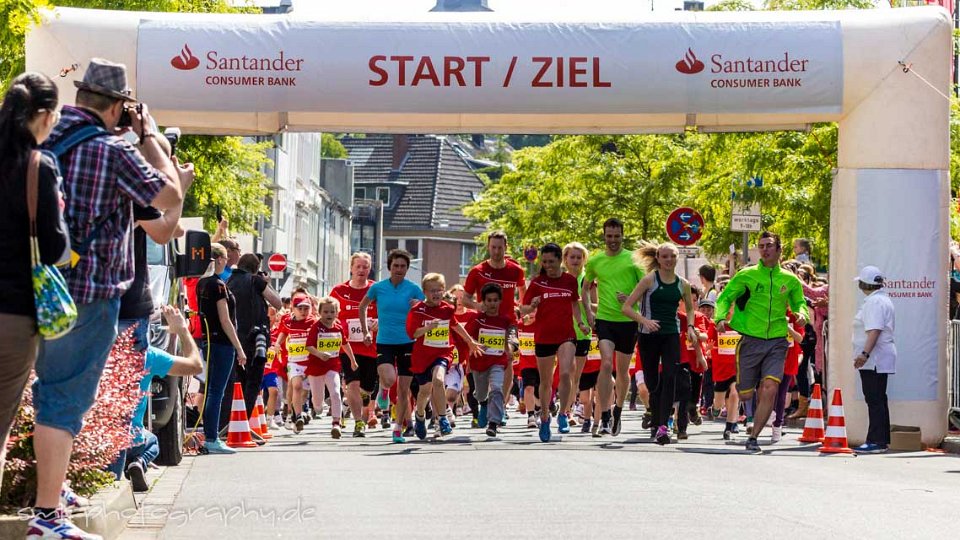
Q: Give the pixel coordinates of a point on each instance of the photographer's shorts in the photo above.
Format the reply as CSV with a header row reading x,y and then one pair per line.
x,y
759,359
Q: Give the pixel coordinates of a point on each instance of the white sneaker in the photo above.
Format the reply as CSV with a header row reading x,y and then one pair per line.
x,y
532,422
776,434
69,499
277,420
289,423
59,527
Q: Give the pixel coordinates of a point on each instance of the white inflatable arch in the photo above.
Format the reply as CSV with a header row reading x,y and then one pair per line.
x,y
883,75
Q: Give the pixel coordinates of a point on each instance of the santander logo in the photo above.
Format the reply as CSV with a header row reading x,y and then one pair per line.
x,y
186,60
689,64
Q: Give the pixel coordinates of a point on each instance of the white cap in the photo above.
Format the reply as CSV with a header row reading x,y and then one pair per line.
x,y
870,275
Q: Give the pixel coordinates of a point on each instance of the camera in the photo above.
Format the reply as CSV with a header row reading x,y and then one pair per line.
x,y
173,137
125,120
261,336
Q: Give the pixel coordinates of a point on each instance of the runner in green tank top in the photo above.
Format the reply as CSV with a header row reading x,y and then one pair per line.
x,y
659,294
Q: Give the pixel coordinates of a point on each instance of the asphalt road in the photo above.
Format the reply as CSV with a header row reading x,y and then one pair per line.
x,y
309,486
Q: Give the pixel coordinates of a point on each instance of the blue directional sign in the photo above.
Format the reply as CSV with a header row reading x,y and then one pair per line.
x,y
684,226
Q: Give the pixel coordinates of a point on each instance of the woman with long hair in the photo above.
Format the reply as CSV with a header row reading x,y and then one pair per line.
x,y
28,114
574,259
659,294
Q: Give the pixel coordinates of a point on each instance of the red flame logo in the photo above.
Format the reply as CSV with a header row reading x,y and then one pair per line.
x,y
186,60
690,64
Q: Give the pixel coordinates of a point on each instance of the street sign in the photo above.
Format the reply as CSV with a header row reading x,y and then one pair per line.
x,y
277,262
684,226
690,252
746,218
530,254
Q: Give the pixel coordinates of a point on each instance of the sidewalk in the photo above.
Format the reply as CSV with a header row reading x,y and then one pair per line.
x,y
155,506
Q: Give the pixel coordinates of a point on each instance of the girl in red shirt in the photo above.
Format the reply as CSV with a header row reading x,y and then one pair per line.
x,y
293,340
553,294
325,342
430,323
527,367
725,376
790,368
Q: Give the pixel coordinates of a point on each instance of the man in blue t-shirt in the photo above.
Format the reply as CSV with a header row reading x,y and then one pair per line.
x,y
394,297
144,447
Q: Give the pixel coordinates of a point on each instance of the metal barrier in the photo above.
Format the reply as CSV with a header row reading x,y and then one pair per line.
x,y
953,369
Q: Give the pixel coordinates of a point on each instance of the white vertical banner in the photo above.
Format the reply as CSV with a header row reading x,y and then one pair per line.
x,y
899,230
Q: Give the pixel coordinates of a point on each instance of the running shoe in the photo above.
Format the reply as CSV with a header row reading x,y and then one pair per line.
x,y
217,447
335,431
482,415
605,428
573,420
298,423
383,400
475,423
870,448
58,527
408,431
69,498
305,418
633,405
695,417
432,425
682,436
492,430
138,480
451,418
385,420
735,428
727,434
289,423
445,427
753,446
715,413
554,408
647,420
398,437
531,421
663,435
587,424
420,428
278,420
358,430
545,430
563,425
776,434
617,412
372,422
595,430
503,421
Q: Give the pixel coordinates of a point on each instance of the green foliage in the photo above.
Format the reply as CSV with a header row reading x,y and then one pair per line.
x,y
519,142
17,17
332,148
229,175
732,5
793,5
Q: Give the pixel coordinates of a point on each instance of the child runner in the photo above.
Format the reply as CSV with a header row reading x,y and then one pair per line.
x,y
429,324
326,340
554,295
692,366
293,338
528,368
460,367
725,377
795,333
588,389
660,292
490,330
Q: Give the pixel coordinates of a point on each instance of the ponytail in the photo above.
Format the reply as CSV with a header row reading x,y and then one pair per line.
x,y
645,257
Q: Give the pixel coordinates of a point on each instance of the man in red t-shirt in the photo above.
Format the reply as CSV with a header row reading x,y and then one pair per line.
x,y
490,330
509,275
429,324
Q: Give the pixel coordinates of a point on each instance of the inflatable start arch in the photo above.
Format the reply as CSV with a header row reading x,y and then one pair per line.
x,y
883,75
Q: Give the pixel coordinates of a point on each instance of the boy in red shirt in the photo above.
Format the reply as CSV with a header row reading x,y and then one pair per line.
x,y
293,339
490,329
588,389
327,338
429,323
692,366
725,377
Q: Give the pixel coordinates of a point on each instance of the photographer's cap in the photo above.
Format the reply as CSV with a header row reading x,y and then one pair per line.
x,y
707,302
106,78
871,275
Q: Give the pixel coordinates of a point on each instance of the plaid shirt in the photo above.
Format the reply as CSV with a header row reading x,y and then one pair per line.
x,y
102,178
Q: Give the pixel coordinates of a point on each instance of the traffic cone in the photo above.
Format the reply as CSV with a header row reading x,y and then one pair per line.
x,y
238,435
813,425
258,412
835,438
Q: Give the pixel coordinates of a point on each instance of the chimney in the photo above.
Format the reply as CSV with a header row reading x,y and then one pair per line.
x,y
461,5
401,147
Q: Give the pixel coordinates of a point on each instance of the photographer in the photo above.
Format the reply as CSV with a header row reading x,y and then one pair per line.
x,y
103,176
253,294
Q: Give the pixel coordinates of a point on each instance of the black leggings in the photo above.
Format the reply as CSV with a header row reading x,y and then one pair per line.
x,y
660,354
803,378
471,398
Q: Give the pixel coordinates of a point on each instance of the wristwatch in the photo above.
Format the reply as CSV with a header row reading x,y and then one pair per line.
x,y
865,354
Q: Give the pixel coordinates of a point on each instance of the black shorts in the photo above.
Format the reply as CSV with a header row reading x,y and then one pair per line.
x,y
425,378
588,380
397,356
530,376
723,386
547,350
366,373
622,334
583,347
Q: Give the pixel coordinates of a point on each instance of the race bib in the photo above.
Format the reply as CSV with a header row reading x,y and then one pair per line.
x,y
296,349
527,345
727,343
456,356
353,329
594,352
493,342
686,341
789,339
329,342
270,356
438,336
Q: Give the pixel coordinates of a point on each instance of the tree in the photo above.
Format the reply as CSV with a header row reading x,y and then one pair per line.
x,y
331,148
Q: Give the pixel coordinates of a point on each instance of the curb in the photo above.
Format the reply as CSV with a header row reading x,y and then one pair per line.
x,y
107,515
951,445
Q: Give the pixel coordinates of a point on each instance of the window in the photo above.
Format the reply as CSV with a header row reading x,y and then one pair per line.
x,y
391,244
383,195
468,252
413,246
410,244
359,193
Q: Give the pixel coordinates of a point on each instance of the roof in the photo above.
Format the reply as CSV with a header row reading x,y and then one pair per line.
x,y
429,190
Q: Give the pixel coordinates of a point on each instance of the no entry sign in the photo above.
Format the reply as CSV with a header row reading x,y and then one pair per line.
x,y
684,226
277,262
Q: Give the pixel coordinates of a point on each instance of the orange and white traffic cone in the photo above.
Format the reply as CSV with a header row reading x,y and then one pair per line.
x,y
835,437
258,412
813,425
238,435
